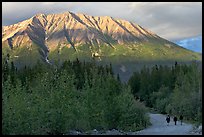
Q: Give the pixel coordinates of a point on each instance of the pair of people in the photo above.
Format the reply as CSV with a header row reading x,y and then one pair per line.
x,y
175,119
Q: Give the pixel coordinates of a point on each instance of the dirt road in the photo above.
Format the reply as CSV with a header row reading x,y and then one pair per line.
x,y
159,127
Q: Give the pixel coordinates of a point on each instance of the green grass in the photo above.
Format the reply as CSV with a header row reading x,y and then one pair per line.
x,y
23,56
145,52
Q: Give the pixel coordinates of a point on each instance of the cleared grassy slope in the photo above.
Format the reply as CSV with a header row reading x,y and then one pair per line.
x,y
142,52
145,52
26,55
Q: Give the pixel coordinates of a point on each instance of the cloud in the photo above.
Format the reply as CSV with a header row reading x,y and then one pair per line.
x,y
170,20
194,44
13,12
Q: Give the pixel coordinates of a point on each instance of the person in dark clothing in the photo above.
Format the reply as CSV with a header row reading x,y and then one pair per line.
x,y
181,119
175,119
168,120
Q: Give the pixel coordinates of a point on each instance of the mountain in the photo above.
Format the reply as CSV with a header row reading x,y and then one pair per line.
x,y
55,38
74,29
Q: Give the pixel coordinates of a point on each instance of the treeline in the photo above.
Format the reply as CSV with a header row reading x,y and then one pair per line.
x,y
174,90
76,96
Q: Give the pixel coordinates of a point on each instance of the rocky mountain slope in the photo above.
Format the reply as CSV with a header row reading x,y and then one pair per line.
x,y
74,29
67,36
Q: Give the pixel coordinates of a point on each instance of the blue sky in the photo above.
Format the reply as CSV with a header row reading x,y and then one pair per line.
x,y
194,44
179,22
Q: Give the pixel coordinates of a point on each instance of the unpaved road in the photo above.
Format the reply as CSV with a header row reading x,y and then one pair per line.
x,y
159,127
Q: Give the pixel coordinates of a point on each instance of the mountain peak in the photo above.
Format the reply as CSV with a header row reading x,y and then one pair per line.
x,y
40,15
78,29
70,29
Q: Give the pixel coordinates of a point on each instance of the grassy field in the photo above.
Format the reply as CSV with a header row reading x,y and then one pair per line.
x,y
128,54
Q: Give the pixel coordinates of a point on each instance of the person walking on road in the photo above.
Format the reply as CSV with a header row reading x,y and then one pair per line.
x,y
181,119
175,119
168,120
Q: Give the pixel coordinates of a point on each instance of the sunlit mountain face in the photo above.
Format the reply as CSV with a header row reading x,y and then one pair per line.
x,y
56,38
194,44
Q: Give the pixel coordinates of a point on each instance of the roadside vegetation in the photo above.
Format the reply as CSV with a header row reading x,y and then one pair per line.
x,y
75,96
175,90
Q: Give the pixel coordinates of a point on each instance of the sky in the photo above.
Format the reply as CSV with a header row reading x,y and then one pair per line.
x,y
175,21
191,43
